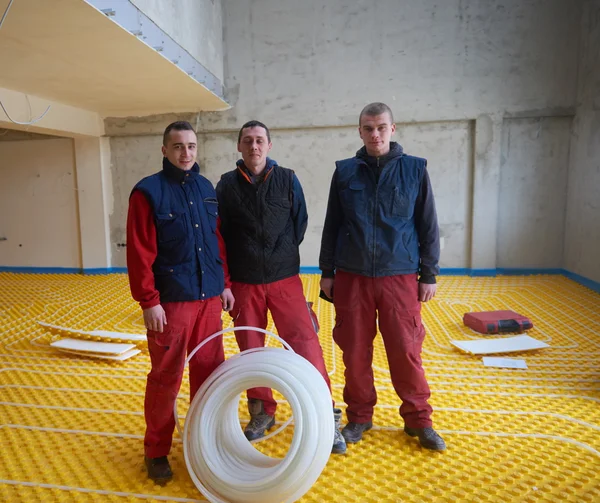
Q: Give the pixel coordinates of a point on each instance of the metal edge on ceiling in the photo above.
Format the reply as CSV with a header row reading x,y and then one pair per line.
x,y
130,18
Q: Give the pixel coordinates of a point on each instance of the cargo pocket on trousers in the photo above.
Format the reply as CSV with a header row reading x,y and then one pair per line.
x,y
313,317
339,321
166,338
419,331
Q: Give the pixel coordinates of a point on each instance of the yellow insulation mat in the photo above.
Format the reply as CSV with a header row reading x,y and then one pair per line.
x,y
71,428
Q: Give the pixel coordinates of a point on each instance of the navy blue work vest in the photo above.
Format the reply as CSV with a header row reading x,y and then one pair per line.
x,y
184,203
378,236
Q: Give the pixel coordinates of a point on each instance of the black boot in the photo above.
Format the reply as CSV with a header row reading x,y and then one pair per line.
x,y
428,438
353,432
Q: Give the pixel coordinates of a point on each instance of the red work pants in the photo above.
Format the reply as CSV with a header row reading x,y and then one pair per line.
x,y
285,299
358,301
188,324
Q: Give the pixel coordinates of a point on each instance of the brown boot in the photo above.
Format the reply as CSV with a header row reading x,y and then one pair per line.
x,y
159,469
260,421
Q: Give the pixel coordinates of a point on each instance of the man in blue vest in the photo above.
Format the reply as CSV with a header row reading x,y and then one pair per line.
x,y
264,218
379,259
175,262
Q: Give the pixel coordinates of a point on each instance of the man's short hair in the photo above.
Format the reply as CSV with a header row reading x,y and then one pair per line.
x,y
251,124
376,108
177,126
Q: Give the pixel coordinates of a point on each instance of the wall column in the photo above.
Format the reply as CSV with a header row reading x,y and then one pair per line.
x,y
92,160
486,185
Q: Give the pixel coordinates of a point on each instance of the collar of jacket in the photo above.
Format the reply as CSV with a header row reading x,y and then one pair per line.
x,y
245,172
177,174
396,151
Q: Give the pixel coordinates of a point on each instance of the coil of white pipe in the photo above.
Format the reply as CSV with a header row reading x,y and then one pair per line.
x,y
223,465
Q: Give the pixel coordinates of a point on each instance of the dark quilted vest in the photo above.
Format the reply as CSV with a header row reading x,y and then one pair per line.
x,y
257,225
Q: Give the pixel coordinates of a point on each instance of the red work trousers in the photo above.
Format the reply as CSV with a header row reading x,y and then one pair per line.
x,y
358,300
188,324
285,299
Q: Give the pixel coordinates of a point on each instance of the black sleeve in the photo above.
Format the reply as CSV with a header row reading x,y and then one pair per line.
x,y
426,223
299,211
333,222
222,209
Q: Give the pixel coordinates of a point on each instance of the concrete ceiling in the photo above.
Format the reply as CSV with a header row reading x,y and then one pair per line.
x,y
70,52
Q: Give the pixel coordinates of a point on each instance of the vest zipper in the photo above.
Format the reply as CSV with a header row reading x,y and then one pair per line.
x,y
375,219
260,214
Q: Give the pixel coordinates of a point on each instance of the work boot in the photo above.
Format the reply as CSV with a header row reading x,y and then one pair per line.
x,y
353,432
159,469
339,442
428,438
259,420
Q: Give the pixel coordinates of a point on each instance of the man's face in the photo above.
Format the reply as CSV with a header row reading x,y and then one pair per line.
x,y
376,132
254,147
181,149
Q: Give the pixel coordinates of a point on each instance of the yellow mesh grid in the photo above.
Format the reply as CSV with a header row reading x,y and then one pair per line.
x,y
71,428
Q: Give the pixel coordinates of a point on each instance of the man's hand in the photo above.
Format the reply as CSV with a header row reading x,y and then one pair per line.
x,y
227,300
426,291
155,318
326,285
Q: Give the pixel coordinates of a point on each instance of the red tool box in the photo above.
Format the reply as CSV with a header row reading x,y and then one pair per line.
x,y
497,322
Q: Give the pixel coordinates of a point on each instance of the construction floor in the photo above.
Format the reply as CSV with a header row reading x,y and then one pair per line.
x,y
71,428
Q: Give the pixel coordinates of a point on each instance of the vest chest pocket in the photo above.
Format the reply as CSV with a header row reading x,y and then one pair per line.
x,y
278,212
401,206
212,210
279,203
170,227
353,197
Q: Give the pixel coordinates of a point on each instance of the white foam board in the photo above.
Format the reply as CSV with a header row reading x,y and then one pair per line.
x,y
506,345
504,363
123,356
109,348
104,334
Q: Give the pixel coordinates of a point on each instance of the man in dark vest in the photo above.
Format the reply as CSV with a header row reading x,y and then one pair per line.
x,y
263,215
175,262
379,259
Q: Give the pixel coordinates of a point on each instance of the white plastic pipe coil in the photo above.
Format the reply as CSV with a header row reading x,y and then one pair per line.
x,y
223,465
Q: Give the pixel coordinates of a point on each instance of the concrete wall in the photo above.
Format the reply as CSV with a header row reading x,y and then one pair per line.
x,y
319,61
453,73
38,204
196,25
582,243
532,202
133,158
432,62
